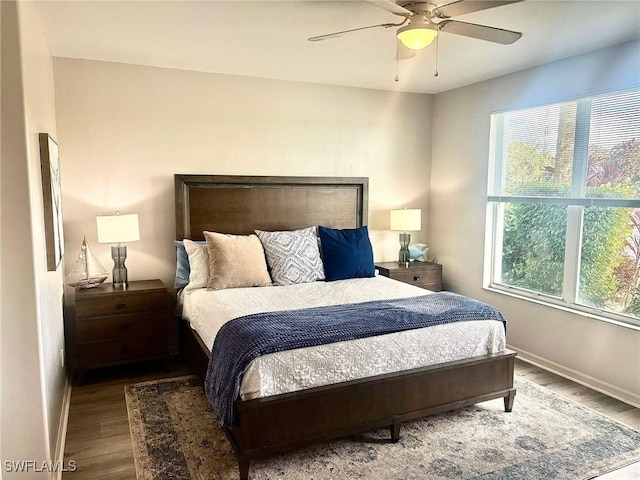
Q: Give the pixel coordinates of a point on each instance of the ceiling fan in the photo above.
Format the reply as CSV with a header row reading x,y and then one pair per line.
x,y
422,21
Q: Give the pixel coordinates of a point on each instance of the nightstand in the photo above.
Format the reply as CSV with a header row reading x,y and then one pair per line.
x,y
117,325
421,274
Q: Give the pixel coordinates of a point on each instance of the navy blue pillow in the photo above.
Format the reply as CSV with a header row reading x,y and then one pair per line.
x,y
346,253
183,269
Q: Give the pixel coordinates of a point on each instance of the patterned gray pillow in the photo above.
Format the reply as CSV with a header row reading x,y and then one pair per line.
x,y
293,257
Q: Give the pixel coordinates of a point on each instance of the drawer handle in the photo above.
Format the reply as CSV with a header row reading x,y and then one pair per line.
x,y
416,278
124,326
125,349
120,306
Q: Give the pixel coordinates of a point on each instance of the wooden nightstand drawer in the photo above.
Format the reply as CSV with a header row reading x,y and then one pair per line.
x,y
121,304
122,350
421,274
434,287
417,277
120,326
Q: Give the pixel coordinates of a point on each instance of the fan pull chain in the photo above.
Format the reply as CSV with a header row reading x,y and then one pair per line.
x,y
437,44
397,62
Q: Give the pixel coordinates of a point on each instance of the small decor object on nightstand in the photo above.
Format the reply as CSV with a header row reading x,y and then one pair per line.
x,y
405,220
87,272
418,252
118,229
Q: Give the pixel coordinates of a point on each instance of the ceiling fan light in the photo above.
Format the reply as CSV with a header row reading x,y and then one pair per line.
x,y
419,33
416,38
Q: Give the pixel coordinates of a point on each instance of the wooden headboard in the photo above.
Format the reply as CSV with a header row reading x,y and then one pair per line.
x,y
241,204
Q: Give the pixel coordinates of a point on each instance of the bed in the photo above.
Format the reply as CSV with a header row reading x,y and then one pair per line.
x,y
278,422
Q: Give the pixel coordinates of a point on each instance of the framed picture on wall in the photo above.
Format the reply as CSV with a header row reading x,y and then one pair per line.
x,y
52,196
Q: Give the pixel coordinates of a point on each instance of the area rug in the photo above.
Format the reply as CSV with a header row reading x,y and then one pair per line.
x,y
175,436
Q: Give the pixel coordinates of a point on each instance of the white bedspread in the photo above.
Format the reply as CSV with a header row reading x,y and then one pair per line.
x,y
302,368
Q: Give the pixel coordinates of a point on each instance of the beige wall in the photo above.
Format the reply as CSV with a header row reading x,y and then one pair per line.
x,y
124,131
595,352
33,379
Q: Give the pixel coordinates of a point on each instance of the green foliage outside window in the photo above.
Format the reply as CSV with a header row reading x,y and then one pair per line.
x,y
528,168
533,247
605,234
534,234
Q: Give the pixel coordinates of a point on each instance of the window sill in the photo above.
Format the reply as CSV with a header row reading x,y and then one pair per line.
x,y
540,301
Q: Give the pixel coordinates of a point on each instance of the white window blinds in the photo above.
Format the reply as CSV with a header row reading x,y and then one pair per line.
x,y
568,153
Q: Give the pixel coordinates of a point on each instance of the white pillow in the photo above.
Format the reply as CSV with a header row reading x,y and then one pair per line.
x,y
293,256
199,264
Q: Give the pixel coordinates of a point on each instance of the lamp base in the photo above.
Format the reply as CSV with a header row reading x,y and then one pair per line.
x,y
119,255
403,256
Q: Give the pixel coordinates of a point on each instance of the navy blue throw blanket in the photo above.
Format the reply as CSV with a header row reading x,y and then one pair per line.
x,y
243,339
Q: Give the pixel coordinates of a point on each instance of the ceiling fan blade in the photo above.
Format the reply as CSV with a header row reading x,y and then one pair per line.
x,y
338,34
482,32
467,6
402,52
391,6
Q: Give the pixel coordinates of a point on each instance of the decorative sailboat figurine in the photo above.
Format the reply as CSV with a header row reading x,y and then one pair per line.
x,y
87,272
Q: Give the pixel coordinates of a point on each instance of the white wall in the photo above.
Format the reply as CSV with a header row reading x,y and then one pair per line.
x,y
595,352
33,380
3,120
22,430
125,130
39,100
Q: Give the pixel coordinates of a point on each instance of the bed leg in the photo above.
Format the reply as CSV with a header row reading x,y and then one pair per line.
x,y
394,430
508,400
243,467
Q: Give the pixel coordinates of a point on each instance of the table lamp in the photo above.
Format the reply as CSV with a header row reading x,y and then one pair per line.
x,y
118,229
405,220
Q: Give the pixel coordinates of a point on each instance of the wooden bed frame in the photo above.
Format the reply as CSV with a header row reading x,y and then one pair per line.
x,y
241,204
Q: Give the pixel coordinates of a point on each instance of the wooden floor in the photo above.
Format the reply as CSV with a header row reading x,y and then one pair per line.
x,y
98,437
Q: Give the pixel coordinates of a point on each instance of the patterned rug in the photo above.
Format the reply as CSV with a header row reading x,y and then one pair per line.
x,y
175,436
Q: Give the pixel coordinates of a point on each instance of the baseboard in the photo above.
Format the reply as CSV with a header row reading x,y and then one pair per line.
x,y
586,380
62,428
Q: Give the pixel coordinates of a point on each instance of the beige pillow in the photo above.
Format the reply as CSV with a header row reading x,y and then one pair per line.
x,y
236,261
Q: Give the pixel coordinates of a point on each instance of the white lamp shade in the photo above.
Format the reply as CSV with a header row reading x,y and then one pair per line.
x,y
406,220
118,228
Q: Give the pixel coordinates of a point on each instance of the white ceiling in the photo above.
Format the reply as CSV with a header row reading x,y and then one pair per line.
x,y
268,39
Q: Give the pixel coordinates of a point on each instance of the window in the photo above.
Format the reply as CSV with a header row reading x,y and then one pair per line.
x,y
564,204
